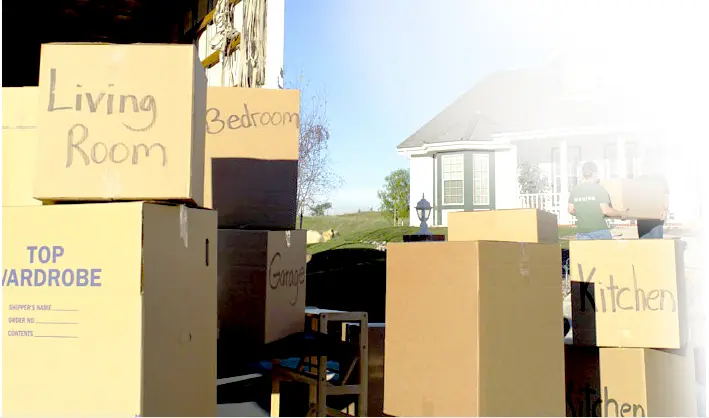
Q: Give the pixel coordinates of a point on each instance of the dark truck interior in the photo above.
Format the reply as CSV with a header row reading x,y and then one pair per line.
x,y
27,25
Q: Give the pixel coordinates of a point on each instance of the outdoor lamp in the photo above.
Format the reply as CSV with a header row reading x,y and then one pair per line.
x,y
423,211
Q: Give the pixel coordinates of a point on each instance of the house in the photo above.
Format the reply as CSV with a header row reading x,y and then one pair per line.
x,y
466,157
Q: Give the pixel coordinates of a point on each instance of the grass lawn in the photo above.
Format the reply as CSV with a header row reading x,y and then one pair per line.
x,y
357,230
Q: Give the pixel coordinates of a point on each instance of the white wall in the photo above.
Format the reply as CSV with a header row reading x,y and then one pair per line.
x,y
421,183
506,178
275,39
444,216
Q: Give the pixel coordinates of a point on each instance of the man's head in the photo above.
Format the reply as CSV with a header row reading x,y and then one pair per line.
x,y
589,171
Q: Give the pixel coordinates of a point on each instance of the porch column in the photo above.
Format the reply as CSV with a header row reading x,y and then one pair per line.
x,y
622,161
564,217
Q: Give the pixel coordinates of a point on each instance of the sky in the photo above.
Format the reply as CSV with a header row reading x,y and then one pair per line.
x,y
388,67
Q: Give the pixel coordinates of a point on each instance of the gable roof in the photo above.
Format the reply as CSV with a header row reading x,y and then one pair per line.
x,y
510,101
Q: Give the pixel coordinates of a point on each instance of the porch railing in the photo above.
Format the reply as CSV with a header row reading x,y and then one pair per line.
x,y
550,202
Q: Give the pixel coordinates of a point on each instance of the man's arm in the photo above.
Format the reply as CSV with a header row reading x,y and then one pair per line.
x,y
612,213
605,201
666,200
571,208
666,210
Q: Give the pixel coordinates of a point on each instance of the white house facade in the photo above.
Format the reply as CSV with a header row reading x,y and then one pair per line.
x,y
467,157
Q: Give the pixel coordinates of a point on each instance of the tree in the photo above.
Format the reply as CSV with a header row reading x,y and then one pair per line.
x,y
531,179
315,178
395,196
320,209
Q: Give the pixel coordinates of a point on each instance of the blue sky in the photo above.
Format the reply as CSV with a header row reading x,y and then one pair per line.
x,y
388,66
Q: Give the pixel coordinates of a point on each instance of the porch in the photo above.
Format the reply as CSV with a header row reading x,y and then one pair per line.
x,y
560,157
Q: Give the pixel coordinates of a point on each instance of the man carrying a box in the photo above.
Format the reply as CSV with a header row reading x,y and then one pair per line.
x,y
590,203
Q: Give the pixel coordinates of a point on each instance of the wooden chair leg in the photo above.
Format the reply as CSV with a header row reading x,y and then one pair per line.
x,y
275,397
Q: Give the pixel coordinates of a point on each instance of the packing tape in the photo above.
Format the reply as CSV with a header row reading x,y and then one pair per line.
x,y
288,239
183,224
524,268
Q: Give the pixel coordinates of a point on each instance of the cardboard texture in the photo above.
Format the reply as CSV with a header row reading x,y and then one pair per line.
x,y
375,372
643,198
251,175
628,293
113,128
261,285
515,225
109,309
473,329
616,382
19,145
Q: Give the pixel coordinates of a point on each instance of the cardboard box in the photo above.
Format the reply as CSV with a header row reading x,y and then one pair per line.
x,y
628,293
109,309
114,126
261,285
643,198
515,225
252,157
19,145
473,329
616,382
375,370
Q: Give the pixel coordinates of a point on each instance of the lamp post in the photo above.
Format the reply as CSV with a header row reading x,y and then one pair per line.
x,y
423,212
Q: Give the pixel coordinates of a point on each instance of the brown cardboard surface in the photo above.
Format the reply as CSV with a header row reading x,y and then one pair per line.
x,y
152,148
261,285
375,372
643,198
251,170
473,329
628,293
515,225
19,145
134,332
629,382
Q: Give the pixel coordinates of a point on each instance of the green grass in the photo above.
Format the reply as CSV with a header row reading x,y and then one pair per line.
x,y
358,229
349,223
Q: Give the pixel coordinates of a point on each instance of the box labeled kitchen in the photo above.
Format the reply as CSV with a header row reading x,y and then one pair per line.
x,y
635,382
251,171
261,290
628,293
456,303
516,225
109,309
19,145
113,128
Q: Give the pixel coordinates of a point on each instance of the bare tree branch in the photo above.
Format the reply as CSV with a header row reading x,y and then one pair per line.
x,y
315,177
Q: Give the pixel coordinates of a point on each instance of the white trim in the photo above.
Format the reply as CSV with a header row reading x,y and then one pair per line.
x,y
502,140
567,132
427,149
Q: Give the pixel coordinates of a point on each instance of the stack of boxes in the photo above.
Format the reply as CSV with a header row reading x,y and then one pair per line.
x,y
629,355
474,325
113,298
251,179
111,307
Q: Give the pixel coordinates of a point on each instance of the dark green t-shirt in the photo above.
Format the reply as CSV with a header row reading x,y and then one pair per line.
x,y
587,199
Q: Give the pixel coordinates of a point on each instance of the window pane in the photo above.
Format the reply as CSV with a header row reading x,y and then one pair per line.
x,y
481,179
452,179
